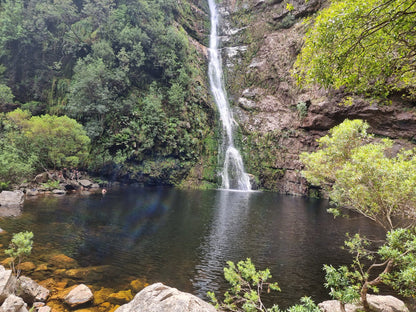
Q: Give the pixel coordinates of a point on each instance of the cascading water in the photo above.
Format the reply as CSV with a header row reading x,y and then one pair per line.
x,y
233,173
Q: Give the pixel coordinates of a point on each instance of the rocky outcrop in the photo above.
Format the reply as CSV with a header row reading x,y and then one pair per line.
x,y
78,296
376,303
279,120
158,297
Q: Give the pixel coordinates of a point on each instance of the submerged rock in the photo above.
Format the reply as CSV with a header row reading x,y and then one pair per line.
x,y
80,295
158,297
62,261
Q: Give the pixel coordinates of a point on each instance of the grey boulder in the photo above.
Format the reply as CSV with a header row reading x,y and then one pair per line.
x,y
158,297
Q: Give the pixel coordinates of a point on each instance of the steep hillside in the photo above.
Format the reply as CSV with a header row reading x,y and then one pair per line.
x,y
278,119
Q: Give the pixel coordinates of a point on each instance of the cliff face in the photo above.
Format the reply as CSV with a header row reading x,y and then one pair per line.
x,y
278,120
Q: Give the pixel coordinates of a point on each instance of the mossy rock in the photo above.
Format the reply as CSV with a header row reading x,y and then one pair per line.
x,y
121,297
62,261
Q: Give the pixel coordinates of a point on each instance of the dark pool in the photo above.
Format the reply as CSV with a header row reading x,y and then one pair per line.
x,y
184,237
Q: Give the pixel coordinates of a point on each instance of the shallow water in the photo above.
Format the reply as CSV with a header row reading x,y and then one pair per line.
x,y
184,237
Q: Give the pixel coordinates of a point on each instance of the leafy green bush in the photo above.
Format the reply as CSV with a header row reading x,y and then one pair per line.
x,y
19,247
247,287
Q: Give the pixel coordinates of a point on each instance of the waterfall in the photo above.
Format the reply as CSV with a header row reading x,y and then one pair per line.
x,y
233,174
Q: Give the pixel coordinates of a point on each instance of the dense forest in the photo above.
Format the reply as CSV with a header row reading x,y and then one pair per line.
x,y
127,71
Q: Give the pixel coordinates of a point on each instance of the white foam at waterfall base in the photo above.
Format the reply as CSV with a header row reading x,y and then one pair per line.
x,y
233,174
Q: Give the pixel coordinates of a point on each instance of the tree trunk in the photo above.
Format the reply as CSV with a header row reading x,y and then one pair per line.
x,y
342,306
363,294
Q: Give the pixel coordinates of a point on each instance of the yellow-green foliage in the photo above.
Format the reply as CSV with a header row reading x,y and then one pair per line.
x,y
358,175
42,142
366,46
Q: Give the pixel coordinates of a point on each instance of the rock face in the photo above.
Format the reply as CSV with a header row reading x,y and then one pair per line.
x,y
158,297
13,304
279,120
376,303
80,295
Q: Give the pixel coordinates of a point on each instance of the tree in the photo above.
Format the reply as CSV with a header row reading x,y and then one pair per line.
x,y
360,176
19,247
55,142
365,46
247,287
394,264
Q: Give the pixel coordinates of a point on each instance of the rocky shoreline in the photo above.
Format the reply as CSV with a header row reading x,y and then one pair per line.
x,y
24,295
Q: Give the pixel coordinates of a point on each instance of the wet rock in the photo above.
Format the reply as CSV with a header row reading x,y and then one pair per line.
x,y
30,291
42,267
80,295
89,273
7,283
11,198
13,304
101,296
26,267
62,261
158,297
137,285
120,297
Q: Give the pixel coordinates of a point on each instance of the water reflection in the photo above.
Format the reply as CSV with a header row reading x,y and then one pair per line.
x,y
228,227
184,237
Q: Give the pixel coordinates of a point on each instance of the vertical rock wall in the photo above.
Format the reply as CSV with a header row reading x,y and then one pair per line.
x,y
278,120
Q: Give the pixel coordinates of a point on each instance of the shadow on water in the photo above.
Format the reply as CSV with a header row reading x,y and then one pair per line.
x,y
184,237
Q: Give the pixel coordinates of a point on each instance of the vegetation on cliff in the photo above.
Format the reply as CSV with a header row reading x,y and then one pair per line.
x,y
125,70
365,46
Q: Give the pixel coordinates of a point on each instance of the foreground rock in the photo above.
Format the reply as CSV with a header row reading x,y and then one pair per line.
x,y
158,297
11,203
377,304
30,291
7,283
80,295
13,304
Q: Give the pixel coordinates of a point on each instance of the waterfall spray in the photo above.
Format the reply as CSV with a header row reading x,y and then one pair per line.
x,y
233,174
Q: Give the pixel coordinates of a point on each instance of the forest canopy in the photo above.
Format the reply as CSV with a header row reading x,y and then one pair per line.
x,y
124,69
367,47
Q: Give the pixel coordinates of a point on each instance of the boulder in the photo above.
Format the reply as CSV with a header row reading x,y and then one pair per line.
x,y
7,283
158,297
32,192
386,304
30,291
13,304
45,309
80,295
59,192
85,183
11,198
41,178
334,306
377,304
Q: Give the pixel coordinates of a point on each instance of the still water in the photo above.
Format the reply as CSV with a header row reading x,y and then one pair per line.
x,y
183,238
